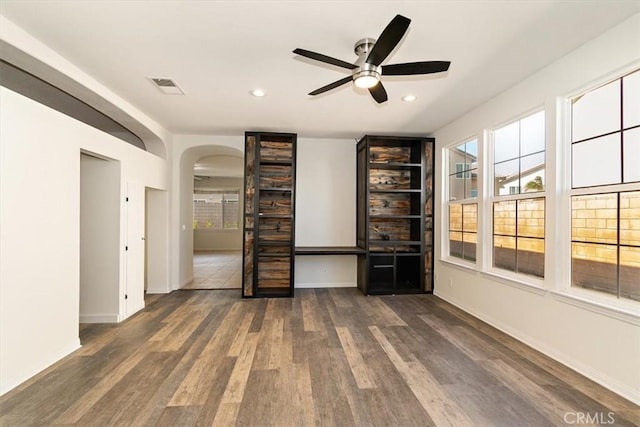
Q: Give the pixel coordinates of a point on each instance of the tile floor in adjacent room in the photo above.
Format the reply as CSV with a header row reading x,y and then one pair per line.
x,y
216,270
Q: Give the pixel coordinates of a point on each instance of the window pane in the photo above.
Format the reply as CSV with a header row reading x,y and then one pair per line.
x,y
532,134
531,256
631,154
596,162
469,246
455,217
470,215
594,266
531,218
506,178
504,253
471,184
457,155
456,188
630,273
504,218
630,219
506,142
471,148
455,244
594,218
631,100
532,173
596,112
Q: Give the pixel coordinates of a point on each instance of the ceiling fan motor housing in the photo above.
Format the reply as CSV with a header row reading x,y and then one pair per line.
x,y
364,70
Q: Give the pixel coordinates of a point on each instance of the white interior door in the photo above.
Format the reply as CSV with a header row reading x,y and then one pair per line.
x,y
134,248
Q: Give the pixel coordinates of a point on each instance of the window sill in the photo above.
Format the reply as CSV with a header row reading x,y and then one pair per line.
x,y
625,310
459,263
517,281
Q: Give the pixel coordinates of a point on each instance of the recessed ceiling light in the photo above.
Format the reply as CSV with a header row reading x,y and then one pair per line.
x,y
257,92
409,98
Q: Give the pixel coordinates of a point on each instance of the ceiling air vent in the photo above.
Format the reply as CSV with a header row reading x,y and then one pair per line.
x,y
166,85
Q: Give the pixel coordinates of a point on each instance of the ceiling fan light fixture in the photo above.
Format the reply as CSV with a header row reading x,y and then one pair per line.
x,y
366,82
257,92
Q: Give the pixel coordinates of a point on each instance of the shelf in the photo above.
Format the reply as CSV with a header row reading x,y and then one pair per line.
x,y
274,189
274,243
274,292
394,242
394,217
276,162
393,165
329,250
264,215
417,190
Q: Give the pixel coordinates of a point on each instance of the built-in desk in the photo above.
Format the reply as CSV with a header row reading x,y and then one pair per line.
x,y
329,250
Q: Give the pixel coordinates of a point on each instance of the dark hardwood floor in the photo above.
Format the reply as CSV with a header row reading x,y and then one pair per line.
x,y
328,357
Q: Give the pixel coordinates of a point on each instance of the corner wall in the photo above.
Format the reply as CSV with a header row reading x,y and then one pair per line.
x,y
40,235
597,343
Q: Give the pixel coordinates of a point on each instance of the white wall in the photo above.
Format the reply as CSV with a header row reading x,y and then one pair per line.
x,y
157,243
325,203
40,261
326,211
99,239
601,344
220,240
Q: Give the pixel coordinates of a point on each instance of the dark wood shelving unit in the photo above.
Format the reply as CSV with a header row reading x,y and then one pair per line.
x,y
269,216
395,214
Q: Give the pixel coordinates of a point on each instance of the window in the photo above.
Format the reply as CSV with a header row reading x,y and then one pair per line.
x,y
463,206
215,210
605,199
518,196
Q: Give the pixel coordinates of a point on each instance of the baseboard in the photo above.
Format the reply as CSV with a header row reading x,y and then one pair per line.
x,y
99,318
158,291
14,381
604,380
323,285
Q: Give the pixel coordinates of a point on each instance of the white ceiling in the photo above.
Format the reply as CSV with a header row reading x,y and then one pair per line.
x,y
218,51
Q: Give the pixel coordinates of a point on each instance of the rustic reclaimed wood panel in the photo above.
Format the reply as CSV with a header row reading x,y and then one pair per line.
x,y
274,250
389,204
275,176
275,229
249,188
390,154
276,151
428,273
248,264
276,203
390,229
274,272
248,221
389,179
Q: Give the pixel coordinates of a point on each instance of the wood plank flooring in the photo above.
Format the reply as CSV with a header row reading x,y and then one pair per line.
x,y
328,357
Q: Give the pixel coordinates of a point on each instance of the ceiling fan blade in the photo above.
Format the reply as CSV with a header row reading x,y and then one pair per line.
x,y
324,58
411,68
388,40
379,93
331,86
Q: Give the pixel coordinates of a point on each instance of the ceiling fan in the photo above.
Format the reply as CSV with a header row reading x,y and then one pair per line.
x,y
366,71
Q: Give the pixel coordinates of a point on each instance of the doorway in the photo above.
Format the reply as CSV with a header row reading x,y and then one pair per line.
x,y
99,239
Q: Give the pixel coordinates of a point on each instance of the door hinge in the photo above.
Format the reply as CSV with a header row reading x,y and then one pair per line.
x,y
126,248
126,296
126,199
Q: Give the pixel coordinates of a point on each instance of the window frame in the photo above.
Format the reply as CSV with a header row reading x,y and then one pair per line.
x,y
530,282
622,308
446,202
